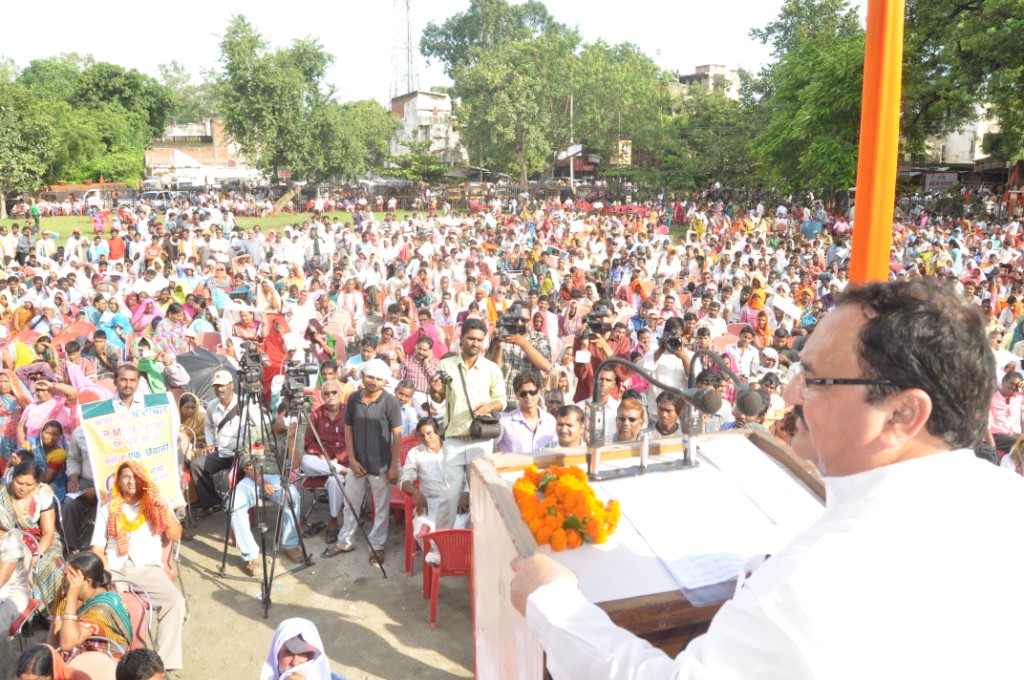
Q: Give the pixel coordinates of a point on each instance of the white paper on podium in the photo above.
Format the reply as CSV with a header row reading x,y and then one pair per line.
x,y
688,529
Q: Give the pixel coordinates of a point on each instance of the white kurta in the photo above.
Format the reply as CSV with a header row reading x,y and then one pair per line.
x,y
442,477
895,580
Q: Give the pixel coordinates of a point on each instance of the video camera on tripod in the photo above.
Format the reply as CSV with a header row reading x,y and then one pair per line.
x,y
296,379
250,368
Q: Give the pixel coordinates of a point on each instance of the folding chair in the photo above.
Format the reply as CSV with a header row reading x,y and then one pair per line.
x,y
96,665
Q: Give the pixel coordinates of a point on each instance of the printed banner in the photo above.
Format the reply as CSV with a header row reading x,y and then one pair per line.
x,y
148,436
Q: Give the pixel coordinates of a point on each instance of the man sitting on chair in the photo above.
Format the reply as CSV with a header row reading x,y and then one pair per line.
x,y
441,472
268,480
130,535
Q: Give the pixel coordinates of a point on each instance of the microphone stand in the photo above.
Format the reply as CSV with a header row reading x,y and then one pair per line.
x,y
596,417
694,423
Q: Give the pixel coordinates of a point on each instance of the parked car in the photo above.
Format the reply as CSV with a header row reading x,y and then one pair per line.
x,y
158,200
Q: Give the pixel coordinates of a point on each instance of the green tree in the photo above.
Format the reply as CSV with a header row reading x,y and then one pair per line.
x,y
27,141
190,102
467,36
961,55
109,84
709,141
619,93
513,103
418,164
810,97
54,78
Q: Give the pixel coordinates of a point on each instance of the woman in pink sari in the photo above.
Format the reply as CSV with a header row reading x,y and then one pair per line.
x,y
54,401
143,315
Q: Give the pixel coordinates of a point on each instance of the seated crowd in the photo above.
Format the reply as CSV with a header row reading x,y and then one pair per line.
x,y
504,314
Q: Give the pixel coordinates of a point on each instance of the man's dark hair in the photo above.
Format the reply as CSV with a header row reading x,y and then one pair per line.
x,y
393,308
368,341
473,325
131,368
571,409
72,347
709,377
526,378
426,340
139,664
99,335
919,334
424,421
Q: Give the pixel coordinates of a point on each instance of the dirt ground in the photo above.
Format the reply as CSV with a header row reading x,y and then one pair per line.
x,y
371,627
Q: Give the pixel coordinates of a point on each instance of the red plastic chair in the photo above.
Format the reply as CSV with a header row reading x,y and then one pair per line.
x,y
95,665
19,623
456,548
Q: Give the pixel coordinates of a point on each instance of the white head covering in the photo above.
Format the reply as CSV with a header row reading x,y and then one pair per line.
x,y
318,668
375,368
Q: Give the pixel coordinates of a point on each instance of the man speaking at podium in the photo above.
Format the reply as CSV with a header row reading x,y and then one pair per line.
x,y
897,577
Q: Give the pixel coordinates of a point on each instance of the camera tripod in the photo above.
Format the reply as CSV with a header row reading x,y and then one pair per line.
x,y
251,399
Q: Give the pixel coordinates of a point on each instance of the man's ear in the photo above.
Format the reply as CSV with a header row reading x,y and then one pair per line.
x,y
910,411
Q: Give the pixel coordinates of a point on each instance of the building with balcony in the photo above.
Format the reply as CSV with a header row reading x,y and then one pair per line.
x,y
711,76
427,116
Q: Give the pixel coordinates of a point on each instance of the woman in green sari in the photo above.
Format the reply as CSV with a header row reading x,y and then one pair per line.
x,y
89,607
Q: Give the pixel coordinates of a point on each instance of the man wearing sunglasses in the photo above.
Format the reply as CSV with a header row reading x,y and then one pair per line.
x,y
630,419
891,426
528,428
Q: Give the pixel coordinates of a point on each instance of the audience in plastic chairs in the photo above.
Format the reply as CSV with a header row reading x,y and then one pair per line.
x,y
15,591
297,653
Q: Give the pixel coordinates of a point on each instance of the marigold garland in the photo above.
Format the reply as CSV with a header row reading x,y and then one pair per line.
x,y
561,509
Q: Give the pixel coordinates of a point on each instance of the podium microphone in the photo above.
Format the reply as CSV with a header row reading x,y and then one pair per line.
x,y
700,400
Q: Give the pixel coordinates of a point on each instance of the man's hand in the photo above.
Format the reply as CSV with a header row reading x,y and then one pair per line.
x,y
392,474
603,344
357,469
484,409
533,572
464,502
72,483
421,502
268,488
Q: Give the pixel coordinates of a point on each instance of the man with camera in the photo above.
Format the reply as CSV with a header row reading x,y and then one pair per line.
x,y
593,344
517,349
472,386
669,362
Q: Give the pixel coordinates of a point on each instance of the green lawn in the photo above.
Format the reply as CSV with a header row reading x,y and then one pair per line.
x,y
64,225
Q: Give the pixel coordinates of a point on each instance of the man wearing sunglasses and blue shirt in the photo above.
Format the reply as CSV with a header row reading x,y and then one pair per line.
x,y
894,579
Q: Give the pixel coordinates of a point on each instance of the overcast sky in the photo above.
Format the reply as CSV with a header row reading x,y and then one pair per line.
x,y
361,35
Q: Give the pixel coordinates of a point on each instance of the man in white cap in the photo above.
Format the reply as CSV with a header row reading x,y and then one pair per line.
x,y
223,421
373,437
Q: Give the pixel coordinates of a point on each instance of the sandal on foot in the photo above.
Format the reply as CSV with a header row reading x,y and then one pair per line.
x,y
332,535
376,557
332,551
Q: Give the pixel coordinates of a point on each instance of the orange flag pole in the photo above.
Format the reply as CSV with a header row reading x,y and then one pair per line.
x,y
879,142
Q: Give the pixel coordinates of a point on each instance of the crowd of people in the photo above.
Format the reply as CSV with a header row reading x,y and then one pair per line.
x,y
436,337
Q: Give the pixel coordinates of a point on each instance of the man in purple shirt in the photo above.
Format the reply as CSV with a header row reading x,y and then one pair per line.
x,y
528,428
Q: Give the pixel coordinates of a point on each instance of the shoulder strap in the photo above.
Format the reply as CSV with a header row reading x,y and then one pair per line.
x,y
462,376
231,413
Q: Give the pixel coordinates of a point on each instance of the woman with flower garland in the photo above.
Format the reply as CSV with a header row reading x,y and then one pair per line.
x,y
130,535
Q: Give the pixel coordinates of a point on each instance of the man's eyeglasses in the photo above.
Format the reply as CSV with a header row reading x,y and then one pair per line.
x,y
331,394
627,419
797,373
523,394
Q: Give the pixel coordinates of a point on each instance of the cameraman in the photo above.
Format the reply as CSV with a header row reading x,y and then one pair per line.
x,y
669,362
518,349
595,337
483,381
